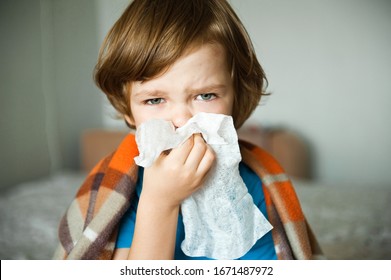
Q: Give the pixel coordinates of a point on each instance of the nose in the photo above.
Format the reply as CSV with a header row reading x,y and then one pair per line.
x,y
180,115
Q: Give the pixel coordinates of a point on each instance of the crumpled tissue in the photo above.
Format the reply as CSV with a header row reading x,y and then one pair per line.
x,y
221,220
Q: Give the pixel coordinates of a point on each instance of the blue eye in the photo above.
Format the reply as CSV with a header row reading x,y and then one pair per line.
x,y
154,101
206,96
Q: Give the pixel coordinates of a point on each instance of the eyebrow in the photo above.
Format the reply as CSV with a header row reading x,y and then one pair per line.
x,y
151,93
207,89
158,93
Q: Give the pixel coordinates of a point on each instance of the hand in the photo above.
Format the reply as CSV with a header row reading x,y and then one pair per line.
x,y
175,176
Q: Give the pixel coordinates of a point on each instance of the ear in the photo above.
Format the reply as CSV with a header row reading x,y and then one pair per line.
x,y
130,121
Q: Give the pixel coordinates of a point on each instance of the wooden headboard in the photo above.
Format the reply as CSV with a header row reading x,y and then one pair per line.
x,y
98,143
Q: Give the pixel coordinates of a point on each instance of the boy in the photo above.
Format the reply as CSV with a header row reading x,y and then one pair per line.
x,y
172,59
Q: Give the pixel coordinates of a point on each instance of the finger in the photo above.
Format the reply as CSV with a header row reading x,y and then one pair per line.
x,y
206,162
197,152
180,153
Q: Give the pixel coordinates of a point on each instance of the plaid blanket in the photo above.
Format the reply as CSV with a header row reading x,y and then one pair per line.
x,y
88,230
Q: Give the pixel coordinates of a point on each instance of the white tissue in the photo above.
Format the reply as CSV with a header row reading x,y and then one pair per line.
x,y
220,219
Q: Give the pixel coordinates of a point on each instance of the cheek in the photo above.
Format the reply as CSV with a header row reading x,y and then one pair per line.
x,y
144,113
226,105
226,109
139,116
217,107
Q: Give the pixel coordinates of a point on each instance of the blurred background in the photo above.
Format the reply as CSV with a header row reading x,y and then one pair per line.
x,y
328,64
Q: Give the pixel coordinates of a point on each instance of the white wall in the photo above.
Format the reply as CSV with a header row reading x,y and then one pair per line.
x,y
24,145
76,46
47,54
329,68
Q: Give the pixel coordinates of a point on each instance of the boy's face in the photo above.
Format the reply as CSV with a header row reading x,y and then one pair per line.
x,y
199,81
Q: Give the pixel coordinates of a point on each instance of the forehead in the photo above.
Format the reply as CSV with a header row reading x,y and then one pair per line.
x,y
198,67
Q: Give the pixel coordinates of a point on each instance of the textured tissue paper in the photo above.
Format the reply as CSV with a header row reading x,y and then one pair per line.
x,y
221,220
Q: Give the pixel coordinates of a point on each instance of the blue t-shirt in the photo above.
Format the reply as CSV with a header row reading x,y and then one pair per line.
x,y
263,249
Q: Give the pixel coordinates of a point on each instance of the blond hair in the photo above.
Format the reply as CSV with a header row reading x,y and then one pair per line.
x,y
152,34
